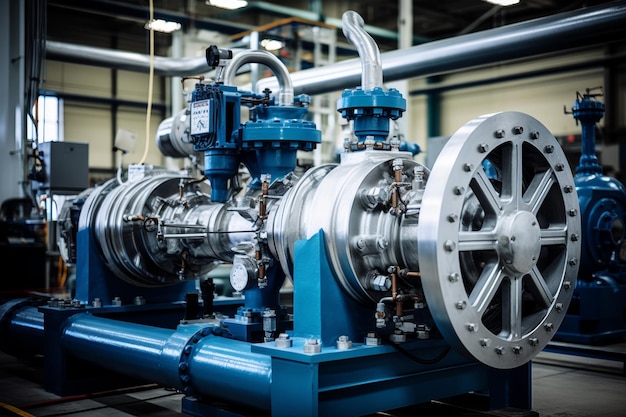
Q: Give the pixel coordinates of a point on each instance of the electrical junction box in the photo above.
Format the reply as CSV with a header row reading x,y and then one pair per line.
x,y
66,165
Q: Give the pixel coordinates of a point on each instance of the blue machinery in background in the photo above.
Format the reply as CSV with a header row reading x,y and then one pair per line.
x,y
409,284
597,314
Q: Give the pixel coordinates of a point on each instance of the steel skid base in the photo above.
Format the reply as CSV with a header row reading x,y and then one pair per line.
x,y
363,379
363,382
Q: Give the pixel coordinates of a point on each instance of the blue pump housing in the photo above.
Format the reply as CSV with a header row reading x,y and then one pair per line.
x,y
597,313
266,144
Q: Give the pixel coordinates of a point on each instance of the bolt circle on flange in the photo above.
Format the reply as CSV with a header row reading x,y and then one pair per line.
x,y
511,247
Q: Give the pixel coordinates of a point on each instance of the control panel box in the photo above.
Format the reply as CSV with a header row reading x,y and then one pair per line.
x,y
66,165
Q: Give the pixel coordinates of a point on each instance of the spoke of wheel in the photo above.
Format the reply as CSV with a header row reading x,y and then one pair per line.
x,y
486,194
543,291
486,287
554,236
538,190
511,174
477,240
512,308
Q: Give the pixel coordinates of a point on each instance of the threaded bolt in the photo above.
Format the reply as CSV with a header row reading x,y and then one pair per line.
x,y
449,245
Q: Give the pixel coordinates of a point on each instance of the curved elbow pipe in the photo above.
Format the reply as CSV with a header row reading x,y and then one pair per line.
x,y
371,64
285,86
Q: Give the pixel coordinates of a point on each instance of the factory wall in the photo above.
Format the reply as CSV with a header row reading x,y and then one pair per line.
x,y
99,101
540,87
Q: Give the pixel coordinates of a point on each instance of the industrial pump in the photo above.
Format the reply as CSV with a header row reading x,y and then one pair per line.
x,y
409,284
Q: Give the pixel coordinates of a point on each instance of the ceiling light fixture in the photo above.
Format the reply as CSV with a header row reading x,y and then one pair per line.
x,y
227,4
503,2
271,44
161,25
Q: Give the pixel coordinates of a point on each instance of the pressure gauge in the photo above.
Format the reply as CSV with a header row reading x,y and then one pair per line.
x,y
242,273
200,117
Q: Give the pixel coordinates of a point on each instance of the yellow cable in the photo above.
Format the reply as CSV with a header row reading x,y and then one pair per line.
x,y
150,86
15,410
62,273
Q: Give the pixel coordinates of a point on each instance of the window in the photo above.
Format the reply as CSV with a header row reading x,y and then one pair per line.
x,y
48,114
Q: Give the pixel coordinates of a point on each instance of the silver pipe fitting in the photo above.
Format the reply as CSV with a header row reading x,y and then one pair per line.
x,y
285,86
371,64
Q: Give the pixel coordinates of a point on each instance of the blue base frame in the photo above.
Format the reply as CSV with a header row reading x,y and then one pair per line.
x,y
597,314
364,379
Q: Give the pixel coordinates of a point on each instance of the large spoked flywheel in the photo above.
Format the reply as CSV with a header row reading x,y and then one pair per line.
x,y
499,239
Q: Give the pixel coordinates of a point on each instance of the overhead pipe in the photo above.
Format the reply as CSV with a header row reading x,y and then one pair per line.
x,y
544,35
282,10
555,33
129,61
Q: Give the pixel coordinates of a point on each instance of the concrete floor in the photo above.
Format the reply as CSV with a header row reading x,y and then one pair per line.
x,y
563,386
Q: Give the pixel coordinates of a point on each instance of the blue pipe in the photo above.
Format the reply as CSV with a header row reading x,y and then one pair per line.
x,y
189,358
23,326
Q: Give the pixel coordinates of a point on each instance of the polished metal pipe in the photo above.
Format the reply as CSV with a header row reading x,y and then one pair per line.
x,y
129,61
579,28
369,54
555,33
285,88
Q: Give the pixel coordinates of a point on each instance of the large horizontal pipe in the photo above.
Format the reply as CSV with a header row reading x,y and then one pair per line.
x,y
21,332
190,359
130,61
544,35
563,31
